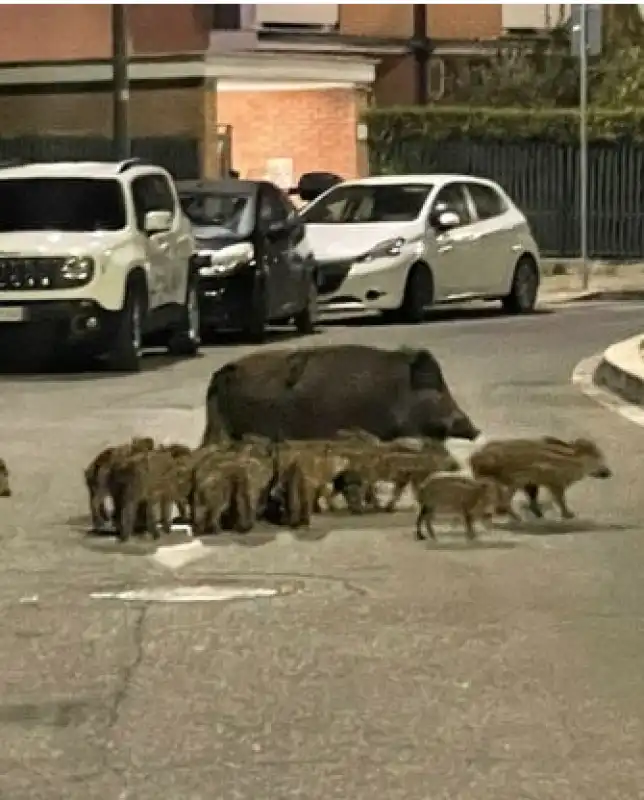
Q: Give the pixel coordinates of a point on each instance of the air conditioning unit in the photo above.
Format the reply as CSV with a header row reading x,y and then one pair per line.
x,y
299,16
533,16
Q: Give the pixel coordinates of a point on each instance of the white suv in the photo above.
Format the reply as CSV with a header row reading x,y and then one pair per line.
x,y
103,252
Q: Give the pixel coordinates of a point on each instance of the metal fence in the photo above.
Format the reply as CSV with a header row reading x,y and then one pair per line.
x,y
180,156
543,179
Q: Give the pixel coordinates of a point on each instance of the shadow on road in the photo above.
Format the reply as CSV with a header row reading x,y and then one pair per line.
x,y
32,367
446,313
236,339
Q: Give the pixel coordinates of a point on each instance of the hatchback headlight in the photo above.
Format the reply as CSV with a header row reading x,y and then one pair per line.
x,y
389,248
77,269
212,266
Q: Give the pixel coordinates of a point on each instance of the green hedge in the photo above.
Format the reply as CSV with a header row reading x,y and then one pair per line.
x,y
387,125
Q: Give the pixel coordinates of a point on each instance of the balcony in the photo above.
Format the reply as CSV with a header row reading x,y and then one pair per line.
x,y
533,17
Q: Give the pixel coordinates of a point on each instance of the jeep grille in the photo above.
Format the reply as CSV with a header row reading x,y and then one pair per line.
x,y
20,274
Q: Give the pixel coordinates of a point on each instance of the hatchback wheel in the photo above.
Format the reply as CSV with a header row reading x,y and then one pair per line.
x,y
525,287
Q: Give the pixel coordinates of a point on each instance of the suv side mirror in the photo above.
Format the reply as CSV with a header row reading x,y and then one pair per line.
x,y
157,222
444,221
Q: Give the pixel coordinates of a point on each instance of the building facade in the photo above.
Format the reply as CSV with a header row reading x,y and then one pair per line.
x,y
287,82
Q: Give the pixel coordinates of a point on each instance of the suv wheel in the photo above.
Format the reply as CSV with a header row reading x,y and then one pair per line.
x,y
186,340
125,353
305,320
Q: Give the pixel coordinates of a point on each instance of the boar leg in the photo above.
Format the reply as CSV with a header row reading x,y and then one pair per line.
x,y
244,511
532,492
470,531
399,487
505,497
424,517
166,518
126,519
559,496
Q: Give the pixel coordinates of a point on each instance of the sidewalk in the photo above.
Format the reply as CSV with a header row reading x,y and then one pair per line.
x,y
607,282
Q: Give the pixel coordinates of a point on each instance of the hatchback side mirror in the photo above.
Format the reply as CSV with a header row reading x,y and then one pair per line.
x,y
445,220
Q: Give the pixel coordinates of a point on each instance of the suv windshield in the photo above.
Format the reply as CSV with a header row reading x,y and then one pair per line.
x,y
224,214
61,204
363,203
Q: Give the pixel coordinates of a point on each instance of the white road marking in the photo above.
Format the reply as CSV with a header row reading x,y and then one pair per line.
x,y
178,555
582,377
188,594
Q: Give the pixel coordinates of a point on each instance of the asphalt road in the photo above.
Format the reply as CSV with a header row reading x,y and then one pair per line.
x,y
513,669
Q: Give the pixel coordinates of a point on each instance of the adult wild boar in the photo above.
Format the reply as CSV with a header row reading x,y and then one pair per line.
x,y
312,393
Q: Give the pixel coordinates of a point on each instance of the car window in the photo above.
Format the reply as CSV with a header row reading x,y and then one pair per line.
x,y
272,207
151,193
368,203
219,213
487,201
452,198
61,204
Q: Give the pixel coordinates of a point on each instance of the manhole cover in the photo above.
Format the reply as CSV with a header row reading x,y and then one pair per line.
x,y
195,594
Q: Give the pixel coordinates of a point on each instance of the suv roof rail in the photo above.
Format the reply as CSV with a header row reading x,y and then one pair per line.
x,y
132,162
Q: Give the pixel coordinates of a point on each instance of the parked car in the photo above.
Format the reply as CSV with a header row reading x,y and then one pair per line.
x,y
102,251
401,243
253,257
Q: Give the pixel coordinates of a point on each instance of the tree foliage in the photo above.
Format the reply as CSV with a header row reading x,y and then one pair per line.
x,y
546,74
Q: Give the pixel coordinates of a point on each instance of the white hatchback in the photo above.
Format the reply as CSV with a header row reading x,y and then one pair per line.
x,y
401,243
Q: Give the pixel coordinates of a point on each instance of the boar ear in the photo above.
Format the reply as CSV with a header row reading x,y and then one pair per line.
x,y
425,371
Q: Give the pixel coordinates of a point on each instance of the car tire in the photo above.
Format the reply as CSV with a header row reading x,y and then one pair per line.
x,y
419,293
127,344
525,287
306,319
185,341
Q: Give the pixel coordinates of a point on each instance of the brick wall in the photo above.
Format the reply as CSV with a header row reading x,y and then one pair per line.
x,y
467,21
386,19
78,113
316,128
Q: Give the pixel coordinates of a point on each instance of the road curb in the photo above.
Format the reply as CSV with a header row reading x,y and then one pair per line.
x,y
621,370
592,295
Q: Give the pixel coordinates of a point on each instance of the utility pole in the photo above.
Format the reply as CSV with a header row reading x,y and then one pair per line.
x,y
586,40
120,83
583,146
421,48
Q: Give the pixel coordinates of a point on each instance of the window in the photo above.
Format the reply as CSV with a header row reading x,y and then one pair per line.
x,y
366,203
226,17
222,213
272,207
452,198
151,193
487,201
61,204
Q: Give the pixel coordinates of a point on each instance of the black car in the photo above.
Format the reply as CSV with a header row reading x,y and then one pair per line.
x,y
255,265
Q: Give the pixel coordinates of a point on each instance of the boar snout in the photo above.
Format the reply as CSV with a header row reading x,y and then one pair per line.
x,y
462,427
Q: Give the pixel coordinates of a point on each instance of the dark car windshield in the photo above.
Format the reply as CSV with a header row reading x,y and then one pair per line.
x,y
393,202
224,214
61,204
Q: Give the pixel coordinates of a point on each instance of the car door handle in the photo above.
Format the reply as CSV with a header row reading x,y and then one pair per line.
x,y
446,248
516,248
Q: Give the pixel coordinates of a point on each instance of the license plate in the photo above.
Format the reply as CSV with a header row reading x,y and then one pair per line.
x,y
12,314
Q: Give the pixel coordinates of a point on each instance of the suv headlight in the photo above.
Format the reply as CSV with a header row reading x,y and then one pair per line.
x,y
77,269
212,266
389,248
